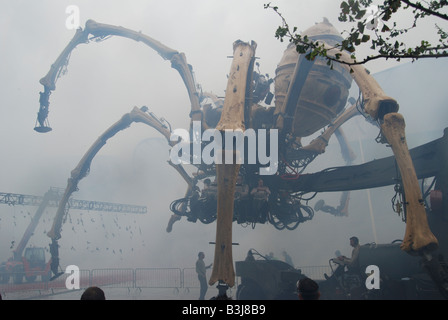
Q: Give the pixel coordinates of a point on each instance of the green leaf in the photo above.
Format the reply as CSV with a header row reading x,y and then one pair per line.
x,y
345,8
361,26
360,14
385,28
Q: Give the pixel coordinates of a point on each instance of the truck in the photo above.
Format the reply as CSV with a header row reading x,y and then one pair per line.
x,y
266,279
31,264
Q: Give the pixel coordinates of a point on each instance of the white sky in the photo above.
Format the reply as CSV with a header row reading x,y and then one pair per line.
x,y
106,80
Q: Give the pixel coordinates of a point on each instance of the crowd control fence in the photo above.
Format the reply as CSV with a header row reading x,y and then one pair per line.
x,y
139,278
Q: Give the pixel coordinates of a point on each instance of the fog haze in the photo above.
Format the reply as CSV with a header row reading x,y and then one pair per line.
x,y
106,80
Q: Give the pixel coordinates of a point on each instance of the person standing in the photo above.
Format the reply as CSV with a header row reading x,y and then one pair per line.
x,y
260,195
287,258
201,271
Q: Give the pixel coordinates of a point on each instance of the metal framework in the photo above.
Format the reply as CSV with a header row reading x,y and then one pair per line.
x,y
13,199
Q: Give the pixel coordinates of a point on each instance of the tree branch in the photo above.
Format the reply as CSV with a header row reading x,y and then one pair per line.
x,y
418,6
385,48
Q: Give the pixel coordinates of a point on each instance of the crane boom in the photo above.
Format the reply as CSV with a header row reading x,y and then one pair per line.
x,y
50,195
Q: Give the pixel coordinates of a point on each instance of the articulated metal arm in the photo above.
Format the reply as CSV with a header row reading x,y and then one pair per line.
x,y
101,31
319,144
83,167
49,81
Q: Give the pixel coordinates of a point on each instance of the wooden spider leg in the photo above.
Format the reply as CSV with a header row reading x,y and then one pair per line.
x,y
349,156
83,167
418,237
319,144
101,31
232,118
175,217
49,81
178,59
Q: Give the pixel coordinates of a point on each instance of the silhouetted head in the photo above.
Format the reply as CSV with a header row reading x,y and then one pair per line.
x,y
308,289
354,241
93,293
